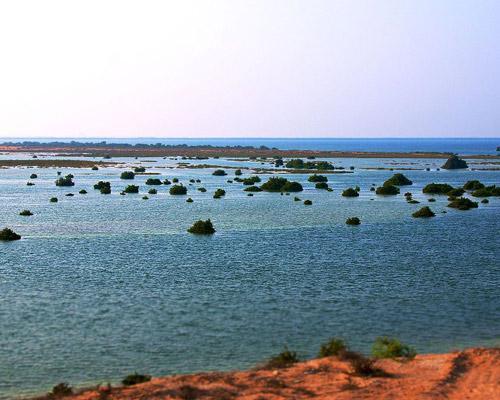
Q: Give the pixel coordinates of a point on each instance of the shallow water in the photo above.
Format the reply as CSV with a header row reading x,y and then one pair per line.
x,y
104,285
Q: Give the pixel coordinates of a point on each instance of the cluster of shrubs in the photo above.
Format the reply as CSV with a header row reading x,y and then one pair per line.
x,y
65,181
383,347
219,193
103,187
131,189
462,203
321,185
424,212
127,175
252,180
252,189
350,192
279,184
8,235
297,163
317,178
139,170
398,180
153,181
178,190
202,227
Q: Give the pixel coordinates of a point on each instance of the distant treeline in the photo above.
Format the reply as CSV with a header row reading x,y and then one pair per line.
x,y
105,144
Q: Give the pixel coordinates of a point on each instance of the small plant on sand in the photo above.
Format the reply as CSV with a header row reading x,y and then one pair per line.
x,y
95,168
202,228
333,347
284,359
61,390
387,347
135,379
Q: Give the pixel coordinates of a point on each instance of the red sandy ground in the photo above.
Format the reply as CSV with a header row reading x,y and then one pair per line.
x,y
470,374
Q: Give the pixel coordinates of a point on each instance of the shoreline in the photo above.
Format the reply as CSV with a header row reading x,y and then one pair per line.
x,y
472,373
212,151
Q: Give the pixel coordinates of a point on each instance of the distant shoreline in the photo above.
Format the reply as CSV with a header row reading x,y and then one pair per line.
x,y
120,150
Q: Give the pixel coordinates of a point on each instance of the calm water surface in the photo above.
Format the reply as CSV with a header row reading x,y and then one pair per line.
x,y
102,286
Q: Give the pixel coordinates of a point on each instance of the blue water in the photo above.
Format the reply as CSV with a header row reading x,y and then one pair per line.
x,y
102,286
454,145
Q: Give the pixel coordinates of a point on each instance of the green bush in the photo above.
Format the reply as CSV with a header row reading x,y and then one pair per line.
x,y
145,197
83,191
8,235
353,221
485,201
350,192
308,202
296,198
279,184
61,390
437,188
219,193
398,180
238,172
167,182
127,175
456,192
251,180
95,168
202,228
462,203
321,185
317,178
33,176
66,181
284,359
189,200
102,185
487,191
135,379
152,191
219,172
53,200
26,213
132,189
175,180
386,347
473,185
139,170
202,189
153,181
333,347
424,212
387,190
252,189
178,190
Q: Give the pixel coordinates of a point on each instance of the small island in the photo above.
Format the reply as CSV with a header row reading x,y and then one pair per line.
x,y
454,162
424,212
8,235
202,228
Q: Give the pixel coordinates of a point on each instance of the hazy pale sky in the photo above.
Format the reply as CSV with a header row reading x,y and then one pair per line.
x,y
212,68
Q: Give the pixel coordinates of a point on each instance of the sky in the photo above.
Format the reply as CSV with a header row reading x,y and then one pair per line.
x,y
241,68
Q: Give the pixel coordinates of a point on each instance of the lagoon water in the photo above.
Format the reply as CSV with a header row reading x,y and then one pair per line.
x,y
101,286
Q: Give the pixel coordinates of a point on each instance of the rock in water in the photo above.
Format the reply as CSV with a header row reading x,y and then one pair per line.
x,y
454,162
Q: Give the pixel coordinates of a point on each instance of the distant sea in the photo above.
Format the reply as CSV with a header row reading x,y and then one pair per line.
x,y
455,145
